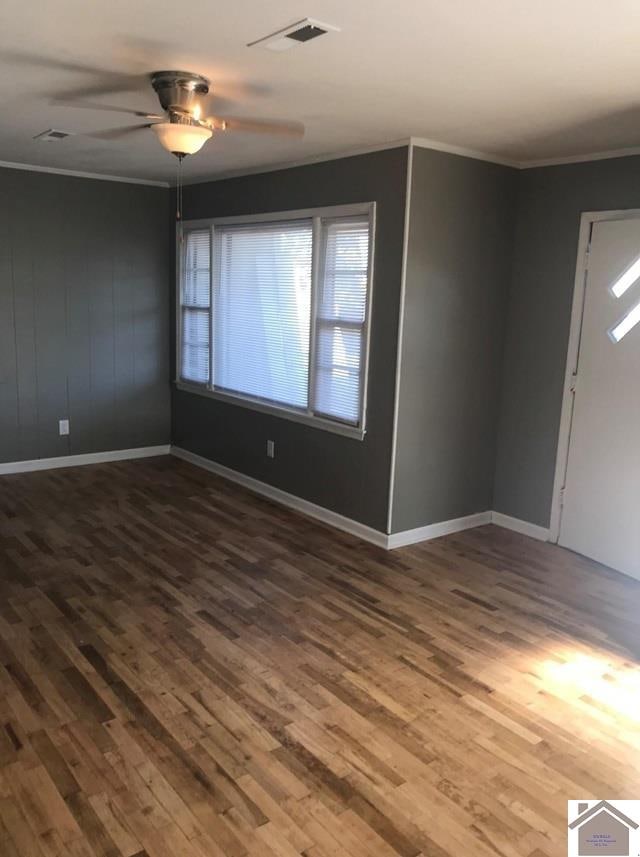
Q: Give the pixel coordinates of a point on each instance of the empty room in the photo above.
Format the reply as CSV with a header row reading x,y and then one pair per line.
x,y
319,429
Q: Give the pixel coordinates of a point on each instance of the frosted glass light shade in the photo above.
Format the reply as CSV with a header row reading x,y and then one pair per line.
x,y
181,139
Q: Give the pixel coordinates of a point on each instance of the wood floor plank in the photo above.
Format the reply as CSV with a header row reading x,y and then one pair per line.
x,y
186,668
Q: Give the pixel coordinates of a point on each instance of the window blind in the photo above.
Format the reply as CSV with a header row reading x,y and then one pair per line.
x,y
276,312
196,306
341,318
262,310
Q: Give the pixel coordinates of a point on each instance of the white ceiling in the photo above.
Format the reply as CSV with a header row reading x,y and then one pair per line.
x,y
519,80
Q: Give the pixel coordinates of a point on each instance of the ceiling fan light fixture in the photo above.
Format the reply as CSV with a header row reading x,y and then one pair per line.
x,y
181,139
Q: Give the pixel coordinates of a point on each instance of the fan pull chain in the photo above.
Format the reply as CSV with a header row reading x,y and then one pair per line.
x,y
179,198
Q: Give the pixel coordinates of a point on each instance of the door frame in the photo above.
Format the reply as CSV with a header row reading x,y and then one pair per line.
x,y
587,220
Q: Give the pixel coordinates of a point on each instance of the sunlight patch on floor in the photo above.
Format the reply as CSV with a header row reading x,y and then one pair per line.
x,y
615,687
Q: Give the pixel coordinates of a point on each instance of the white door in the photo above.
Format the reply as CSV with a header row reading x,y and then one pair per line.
x,y
601,504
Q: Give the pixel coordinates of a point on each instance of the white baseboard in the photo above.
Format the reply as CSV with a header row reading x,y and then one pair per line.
x,y
457,525
88,458
305,507
333,519
340,522
435,531
524,527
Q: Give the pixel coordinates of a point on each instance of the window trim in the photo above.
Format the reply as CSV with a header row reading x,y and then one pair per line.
x,y
283,411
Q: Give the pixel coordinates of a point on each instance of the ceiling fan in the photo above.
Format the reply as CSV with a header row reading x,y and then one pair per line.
x,y
182,129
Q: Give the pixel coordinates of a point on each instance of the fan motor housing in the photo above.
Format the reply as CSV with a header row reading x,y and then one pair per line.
x,y
179,91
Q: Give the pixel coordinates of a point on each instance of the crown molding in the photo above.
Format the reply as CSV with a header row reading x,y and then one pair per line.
x,y
528,164
58,171
302,162
419,142
477,155
581,159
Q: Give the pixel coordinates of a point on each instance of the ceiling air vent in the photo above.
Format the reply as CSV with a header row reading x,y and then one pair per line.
x,y
51,135
306,33
296,34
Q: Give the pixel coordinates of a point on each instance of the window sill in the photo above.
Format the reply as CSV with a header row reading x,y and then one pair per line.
x,y
353,432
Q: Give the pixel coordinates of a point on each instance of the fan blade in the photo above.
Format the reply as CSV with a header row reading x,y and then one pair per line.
x,y
117,133
105,81
255,126
112,83
56,63
109,108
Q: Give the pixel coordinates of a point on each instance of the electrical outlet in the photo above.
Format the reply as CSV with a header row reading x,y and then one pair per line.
x,y
63,427
271,449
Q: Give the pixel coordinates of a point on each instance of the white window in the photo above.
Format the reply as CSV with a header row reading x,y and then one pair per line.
x,y
274,313
196,307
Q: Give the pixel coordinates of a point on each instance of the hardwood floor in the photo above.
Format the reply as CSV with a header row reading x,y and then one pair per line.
x,y
186,669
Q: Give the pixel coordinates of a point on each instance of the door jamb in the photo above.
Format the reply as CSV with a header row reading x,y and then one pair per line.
x,y
587,220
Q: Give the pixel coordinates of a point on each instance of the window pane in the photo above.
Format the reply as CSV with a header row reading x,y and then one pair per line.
x,y
195,345
196,299
263,310
342,307
338,381
345,269
197,261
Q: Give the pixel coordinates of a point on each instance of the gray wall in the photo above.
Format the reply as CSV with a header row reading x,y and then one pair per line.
x,y
550,201
348,476
84,275
458,270
84,331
